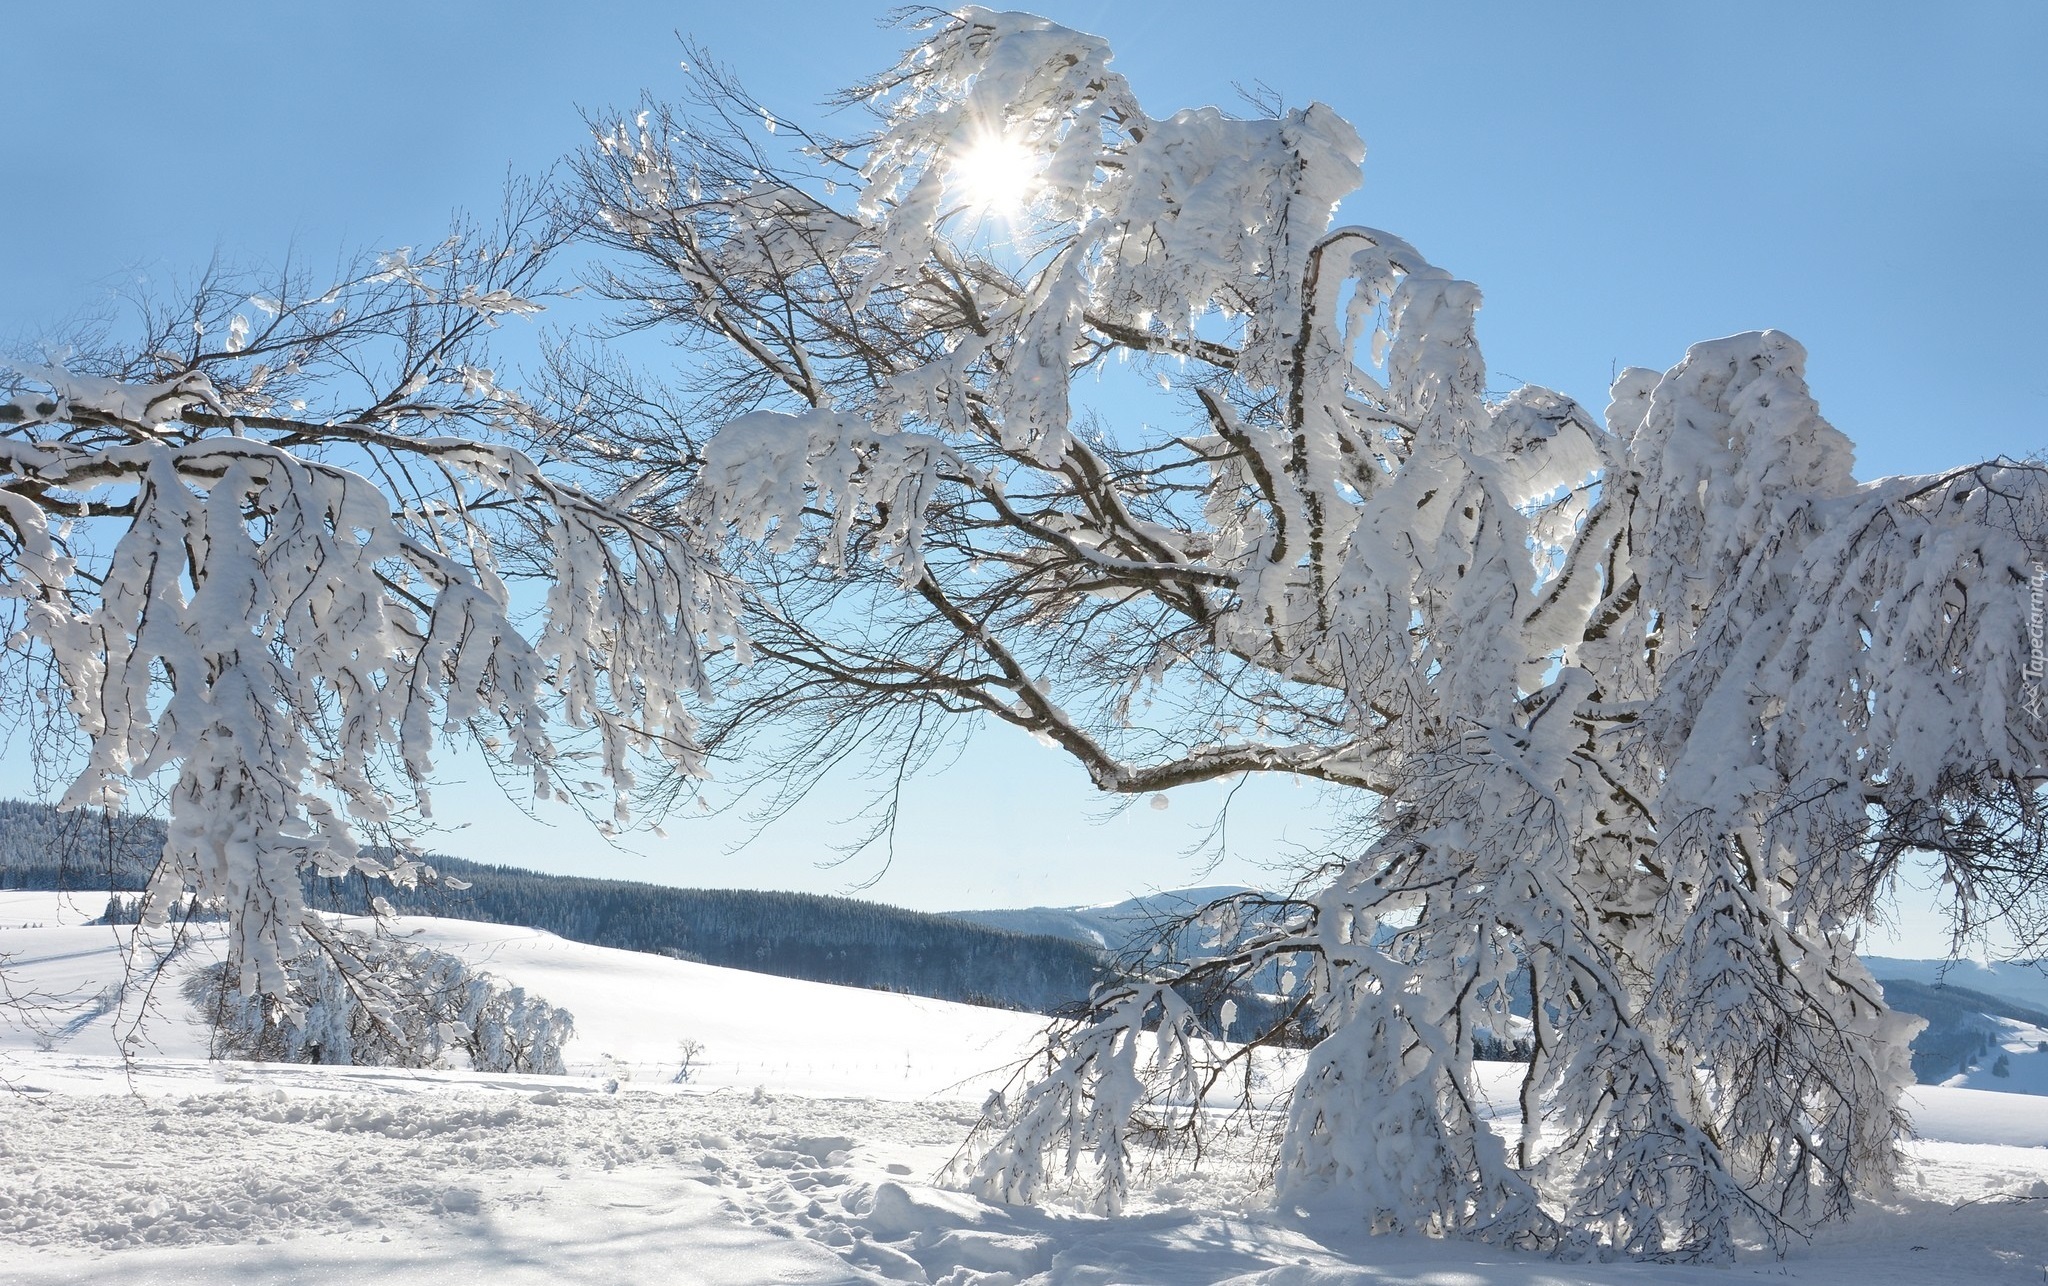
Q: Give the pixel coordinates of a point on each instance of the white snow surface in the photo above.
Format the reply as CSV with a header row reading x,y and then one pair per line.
x,y
808,1146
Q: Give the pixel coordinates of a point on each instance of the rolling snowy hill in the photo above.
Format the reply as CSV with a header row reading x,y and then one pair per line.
x,y
797,935
633,1010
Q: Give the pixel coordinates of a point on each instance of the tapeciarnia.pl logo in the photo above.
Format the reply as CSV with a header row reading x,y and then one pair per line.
x,y
2037,646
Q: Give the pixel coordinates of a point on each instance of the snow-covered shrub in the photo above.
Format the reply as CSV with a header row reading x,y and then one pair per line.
x,y
371,1002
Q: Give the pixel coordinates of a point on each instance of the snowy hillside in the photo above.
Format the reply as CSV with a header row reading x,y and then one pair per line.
x,y
797,935
633,1011
2015,1063
1974,1039
808,1146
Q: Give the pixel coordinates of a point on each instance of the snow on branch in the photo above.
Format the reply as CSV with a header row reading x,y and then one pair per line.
x,y
279,617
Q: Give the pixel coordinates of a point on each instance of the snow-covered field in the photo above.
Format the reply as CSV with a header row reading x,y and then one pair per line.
x,y
806,1147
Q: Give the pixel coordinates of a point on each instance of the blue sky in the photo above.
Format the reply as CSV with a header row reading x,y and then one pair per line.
x,y
1621,180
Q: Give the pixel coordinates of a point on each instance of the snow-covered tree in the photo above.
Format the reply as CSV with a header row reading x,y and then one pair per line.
x,y
269,552
365,1000
1643,714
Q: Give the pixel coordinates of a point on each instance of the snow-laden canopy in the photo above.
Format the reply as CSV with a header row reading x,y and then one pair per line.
x,y
1649,706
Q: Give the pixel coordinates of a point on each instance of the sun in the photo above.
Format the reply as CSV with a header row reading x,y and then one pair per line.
x,y
996,175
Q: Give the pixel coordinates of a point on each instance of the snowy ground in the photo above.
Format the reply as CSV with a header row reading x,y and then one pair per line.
x,y
168,1168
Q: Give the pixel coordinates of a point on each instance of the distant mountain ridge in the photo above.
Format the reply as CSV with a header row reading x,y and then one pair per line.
x,y
2017,981
1112,926
794,935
